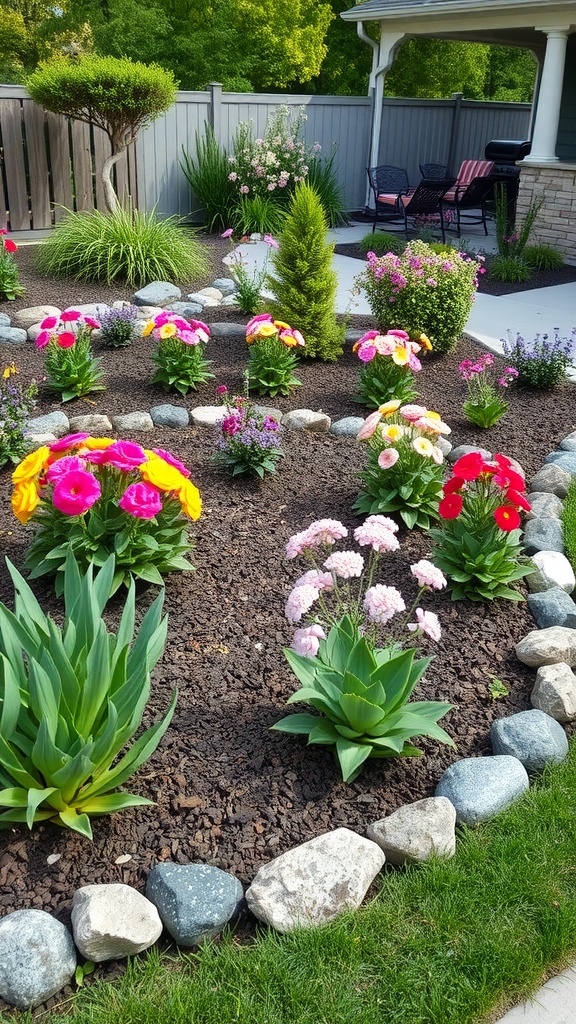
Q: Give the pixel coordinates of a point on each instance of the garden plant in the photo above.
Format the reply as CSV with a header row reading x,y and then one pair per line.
x,y
361,690
272,358
389,362
543,362
70,706
98,497
208,176
10,287
249,440
118,327
484,406
405,465
16,402
180,358
422,292
478,545
72,370
510,263
249,283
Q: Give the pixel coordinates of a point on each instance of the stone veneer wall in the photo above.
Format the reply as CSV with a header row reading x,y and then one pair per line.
x,y
556,222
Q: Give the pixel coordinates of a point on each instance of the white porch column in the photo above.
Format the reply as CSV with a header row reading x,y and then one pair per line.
x,y
549,99
389,42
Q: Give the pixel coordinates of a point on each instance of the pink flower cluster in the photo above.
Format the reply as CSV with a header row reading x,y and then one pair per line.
x,y
323,531
396,344
170,325
264,326
415,269
64,329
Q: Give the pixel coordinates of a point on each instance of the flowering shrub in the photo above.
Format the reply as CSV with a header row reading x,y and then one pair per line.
x,y
423,291
274,163
388,364
360,689
72,369
118,327
250,283
272,357
484,406
10,287
15,404
404,472
541,363
478,546
180,354
99,496
249,440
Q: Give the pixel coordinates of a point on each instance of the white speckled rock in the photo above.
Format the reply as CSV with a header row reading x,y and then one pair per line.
x,y
195,901
208,415
315,882
544,506
37,957
416,832
555,692
307,419
55,422
547,646
113,921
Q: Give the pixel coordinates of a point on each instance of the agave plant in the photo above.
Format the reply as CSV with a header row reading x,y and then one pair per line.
x,y
69,706
362,692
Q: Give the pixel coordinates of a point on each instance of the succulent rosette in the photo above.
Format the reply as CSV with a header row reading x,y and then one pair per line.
x,y
272,358
180,358
405,462
101,496
72,370
478,544
389,362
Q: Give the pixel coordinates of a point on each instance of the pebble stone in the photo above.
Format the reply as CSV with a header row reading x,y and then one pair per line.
x,y
167,415
37,957
568,443
157,293
4,320
195,901
306,419
552,479
93,423
547,647
56,423
416,832
130,421
534,738
467,449
24,318
348,426
543,535
552,570
544,505
566,460
13,335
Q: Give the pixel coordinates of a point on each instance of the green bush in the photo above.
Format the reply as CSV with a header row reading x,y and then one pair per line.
x,y
207,175
10,287
543,257
569,523
70,705
323,179
125,245
304,284
511,269
258,214
381,242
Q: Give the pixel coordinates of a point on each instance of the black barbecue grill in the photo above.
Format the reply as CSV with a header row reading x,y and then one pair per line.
x,y
505,153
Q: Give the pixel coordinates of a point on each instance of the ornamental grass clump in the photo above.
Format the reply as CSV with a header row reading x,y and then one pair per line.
x,y
422,292
98,497
16,402
360,689
249,440
118,327
543,362
72,370
405,464
272,355
478,545
389,362
179,357
72,697
484,406
10,287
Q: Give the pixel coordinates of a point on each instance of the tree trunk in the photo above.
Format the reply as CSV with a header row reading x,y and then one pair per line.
x,y
110,197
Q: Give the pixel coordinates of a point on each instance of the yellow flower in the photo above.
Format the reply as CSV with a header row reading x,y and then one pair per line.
x,y
425,342
24,500
190,500
432,415
250,338
393,432
168,330
423,446
96,442
148,329
161,474
9,371
31,465
400,356
389,407
281,325
266,330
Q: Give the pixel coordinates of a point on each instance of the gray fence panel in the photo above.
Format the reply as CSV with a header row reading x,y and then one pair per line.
x,y
415,132
479,123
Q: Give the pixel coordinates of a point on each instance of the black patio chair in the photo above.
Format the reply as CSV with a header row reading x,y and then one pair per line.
x,y
388,184
433,172
426,201
473,197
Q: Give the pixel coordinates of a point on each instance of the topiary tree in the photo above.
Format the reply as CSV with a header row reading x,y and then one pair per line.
x,y
118,95
304,284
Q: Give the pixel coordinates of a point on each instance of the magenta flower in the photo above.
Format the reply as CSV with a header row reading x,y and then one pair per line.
x,y
48,323
221,389
70,316
70,441
271,242
65,465
190,337
89,321
199,325
141,500
228,233
75,492
43,338
66,339
125,455
172,460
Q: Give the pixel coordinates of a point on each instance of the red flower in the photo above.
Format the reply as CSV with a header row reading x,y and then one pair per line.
x,y
451,506
470,466
453,484
10,246
507,518
66,339
509,478
515,498
503,461
70,315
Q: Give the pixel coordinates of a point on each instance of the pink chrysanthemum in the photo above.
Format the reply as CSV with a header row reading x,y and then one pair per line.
x,y
427,623
428,575
381,603
325,531
125,455
297,544
315,578
300,601
379,536
307,641
345,564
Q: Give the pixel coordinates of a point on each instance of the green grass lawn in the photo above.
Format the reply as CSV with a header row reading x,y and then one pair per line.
x,y
445,943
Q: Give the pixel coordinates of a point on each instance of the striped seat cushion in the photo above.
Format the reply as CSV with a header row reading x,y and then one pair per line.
x,y
469,169
389,198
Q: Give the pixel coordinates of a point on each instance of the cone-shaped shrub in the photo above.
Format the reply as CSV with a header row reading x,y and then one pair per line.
x,y
303,282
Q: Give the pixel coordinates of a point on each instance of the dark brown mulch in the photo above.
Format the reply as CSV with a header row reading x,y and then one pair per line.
x,y
227,790
486,284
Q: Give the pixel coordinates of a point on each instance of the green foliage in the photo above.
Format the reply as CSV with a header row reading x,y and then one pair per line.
x,y
484,406
435,68
543,257
512,239
497,688
74,701
381,242
16,402
436,304
271,367
181,367
569,522
480,565
381,380
207,174
74,372
10,287
511,269
303,283
362,693
125,246
323,178
262,214
543,362
249,440
510,75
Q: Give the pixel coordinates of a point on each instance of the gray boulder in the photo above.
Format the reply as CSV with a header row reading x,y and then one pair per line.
x,y
167,415
113,921
208,415
553,607
132,421
56,423
551,478
157,293
13,336
553,570
566,460
37,957
91,423
480,787
4,320
547,647
554,692
568,444
195,901
416,832
348,426
225,285
466,449
544,506
534,738
307,419
543,535
189,310
316,881
24,318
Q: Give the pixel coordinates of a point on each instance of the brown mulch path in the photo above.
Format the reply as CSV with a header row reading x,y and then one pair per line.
x,y
228,791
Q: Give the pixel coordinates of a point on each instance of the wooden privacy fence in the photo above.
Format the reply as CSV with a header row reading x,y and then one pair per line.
x,y
49,164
